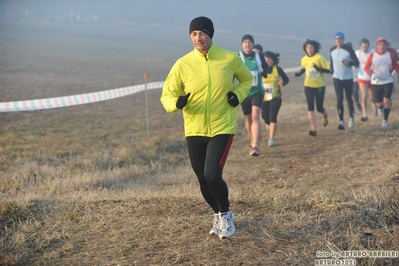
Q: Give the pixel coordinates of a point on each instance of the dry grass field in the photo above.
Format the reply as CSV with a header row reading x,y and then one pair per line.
x,y
86,185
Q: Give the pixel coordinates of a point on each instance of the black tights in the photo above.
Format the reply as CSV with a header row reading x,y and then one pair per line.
x,y
317,94
342,86
270,110
208,156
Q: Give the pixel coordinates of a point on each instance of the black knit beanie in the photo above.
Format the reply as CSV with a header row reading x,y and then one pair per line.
x,y
203,24
247,37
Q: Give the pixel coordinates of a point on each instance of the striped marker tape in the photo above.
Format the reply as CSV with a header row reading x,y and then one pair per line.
x,y
71,100
92,97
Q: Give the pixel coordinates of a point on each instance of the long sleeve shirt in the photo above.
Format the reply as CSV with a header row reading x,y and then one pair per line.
x,y
338,69
381,67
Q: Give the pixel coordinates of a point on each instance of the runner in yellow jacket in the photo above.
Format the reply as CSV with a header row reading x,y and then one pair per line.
x,y
208,84
208,79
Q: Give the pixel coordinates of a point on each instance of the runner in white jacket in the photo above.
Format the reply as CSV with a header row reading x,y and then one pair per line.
x,y
381,65
363,79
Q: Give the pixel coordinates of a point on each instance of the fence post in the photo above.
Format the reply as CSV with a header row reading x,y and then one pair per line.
x,y
146,101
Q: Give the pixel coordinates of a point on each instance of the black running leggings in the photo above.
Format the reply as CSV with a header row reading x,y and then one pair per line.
x,y
317,94
208,156
270,110
342,86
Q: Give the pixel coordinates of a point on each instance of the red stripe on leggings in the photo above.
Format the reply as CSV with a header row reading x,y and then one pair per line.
x,y
226,152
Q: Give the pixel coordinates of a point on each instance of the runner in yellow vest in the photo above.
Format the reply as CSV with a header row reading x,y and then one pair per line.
x,y
272,84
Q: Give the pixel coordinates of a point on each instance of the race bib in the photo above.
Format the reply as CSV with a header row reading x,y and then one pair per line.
x,y
269,91
255,78
312,73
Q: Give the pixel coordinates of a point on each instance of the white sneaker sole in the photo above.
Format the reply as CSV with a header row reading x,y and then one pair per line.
x,y
232,232
213,232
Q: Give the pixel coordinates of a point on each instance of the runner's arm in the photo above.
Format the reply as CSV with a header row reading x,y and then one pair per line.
x,y
283,76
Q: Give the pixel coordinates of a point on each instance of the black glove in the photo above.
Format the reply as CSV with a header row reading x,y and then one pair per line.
x,y
182,101
232,99
297,74
316,67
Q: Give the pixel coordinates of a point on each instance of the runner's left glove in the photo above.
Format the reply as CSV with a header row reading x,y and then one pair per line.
x,y
232,98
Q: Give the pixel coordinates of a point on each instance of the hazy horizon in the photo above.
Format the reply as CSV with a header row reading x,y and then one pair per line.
x,y
313,19
140,28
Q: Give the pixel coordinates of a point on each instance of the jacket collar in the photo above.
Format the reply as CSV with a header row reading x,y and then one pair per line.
x,y
210,51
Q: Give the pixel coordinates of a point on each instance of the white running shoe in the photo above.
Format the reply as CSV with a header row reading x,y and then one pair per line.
x,y
226,224
267,127
384,123
254,151
351,122
272,143
215,226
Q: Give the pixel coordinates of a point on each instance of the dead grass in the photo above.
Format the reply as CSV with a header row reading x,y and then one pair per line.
x,y
87,186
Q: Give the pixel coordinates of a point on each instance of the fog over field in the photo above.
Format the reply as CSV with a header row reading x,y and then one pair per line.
x,y
294,19
130,33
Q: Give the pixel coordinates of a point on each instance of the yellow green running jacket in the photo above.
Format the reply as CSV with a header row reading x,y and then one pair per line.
x,y
208,79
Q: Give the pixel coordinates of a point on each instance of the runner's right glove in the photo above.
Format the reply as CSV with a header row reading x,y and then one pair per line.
x,y
182,101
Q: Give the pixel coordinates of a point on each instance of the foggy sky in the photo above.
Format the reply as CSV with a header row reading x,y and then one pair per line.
x,y
309,19
317,19
296,19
